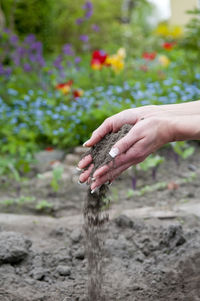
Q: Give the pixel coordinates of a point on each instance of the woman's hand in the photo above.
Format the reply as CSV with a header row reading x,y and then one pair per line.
x,y
153,126
142,140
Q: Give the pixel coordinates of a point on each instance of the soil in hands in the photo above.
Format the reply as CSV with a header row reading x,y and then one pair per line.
x,y
95,217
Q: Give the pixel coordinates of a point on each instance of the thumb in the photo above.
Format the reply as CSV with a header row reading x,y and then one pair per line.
x,y
125,143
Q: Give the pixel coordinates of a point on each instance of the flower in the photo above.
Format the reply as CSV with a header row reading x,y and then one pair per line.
x,y
84,38
77,60
95,27
174,32
149,56
65,88
98,59
67,49
49,149
163,60
78,93
116,61
88,7
79,21
168,45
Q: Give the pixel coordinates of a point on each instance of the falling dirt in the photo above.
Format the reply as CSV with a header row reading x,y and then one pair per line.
x,y
95,218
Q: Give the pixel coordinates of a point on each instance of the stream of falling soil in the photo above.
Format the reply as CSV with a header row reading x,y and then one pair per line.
x,y
94,221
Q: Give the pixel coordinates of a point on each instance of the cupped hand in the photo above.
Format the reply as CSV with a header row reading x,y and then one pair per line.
x,y
149,132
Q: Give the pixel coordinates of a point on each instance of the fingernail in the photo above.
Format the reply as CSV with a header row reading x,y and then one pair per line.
x,y
85,143
79,169
93,179
95,189
79,182
114,152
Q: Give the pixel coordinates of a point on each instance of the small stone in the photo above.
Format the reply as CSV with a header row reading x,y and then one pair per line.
x,y
80,254
192,167
14,247
123,221
72,159
63,270
39,273
76,235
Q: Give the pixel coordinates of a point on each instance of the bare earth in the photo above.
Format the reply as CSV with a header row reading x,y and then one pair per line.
x,y
152,241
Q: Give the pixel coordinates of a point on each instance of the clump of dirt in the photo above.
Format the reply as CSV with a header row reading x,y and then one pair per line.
x,y
95,218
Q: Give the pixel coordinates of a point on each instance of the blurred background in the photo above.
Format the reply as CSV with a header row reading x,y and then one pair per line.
x,y
67,65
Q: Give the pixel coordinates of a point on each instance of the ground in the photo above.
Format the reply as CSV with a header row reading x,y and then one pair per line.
x,y
152,242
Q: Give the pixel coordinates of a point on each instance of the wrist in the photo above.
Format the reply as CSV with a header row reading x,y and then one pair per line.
x,y
185,128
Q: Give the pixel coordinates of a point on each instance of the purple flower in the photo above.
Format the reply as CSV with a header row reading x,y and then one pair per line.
x,y
30,39
32,57
58,63
79,21
27,67
21,51
7,71
67,49
77,60
6,30
88,14
84,38
1,69
13,40
88,5
95,27
40,60
37,46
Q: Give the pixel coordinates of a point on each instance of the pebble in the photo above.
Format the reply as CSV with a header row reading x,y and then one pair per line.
x,y
80,254
14,247
63,270
123,221
76,235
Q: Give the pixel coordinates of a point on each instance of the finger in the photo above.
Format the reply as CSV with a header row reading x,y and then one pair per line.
x,y
111,124
102,170
86,174
110,176
85,162
135,154
123,145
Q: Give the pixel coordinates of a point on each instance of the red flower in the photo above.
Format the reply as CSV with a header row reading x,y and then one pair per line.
x,y
63,85
149,56
99,55
78,93
49,149
98,59
168,45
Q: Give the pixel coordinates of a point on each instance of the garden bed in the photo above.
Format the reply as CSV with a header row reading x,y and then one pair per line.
x,y
152,240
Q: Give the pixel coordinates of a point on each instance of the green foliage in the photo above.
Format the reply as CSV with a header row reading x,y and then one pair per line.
x,y
151,162
57,176
43,205
18,201
183,149
32,16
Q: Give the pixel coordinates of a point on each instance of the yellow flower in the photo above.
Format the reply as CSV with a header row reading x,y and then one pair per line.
x,y
162,30
177,32
163,60
121,53
116,61
169,31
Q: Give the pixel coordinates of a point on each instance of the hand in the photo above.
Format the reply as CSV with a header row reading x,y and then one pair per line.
x,y
133,148
153,126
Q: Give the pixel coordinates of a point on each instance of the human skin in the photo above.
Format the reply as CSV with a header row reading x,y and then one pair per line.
x,y
153,127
